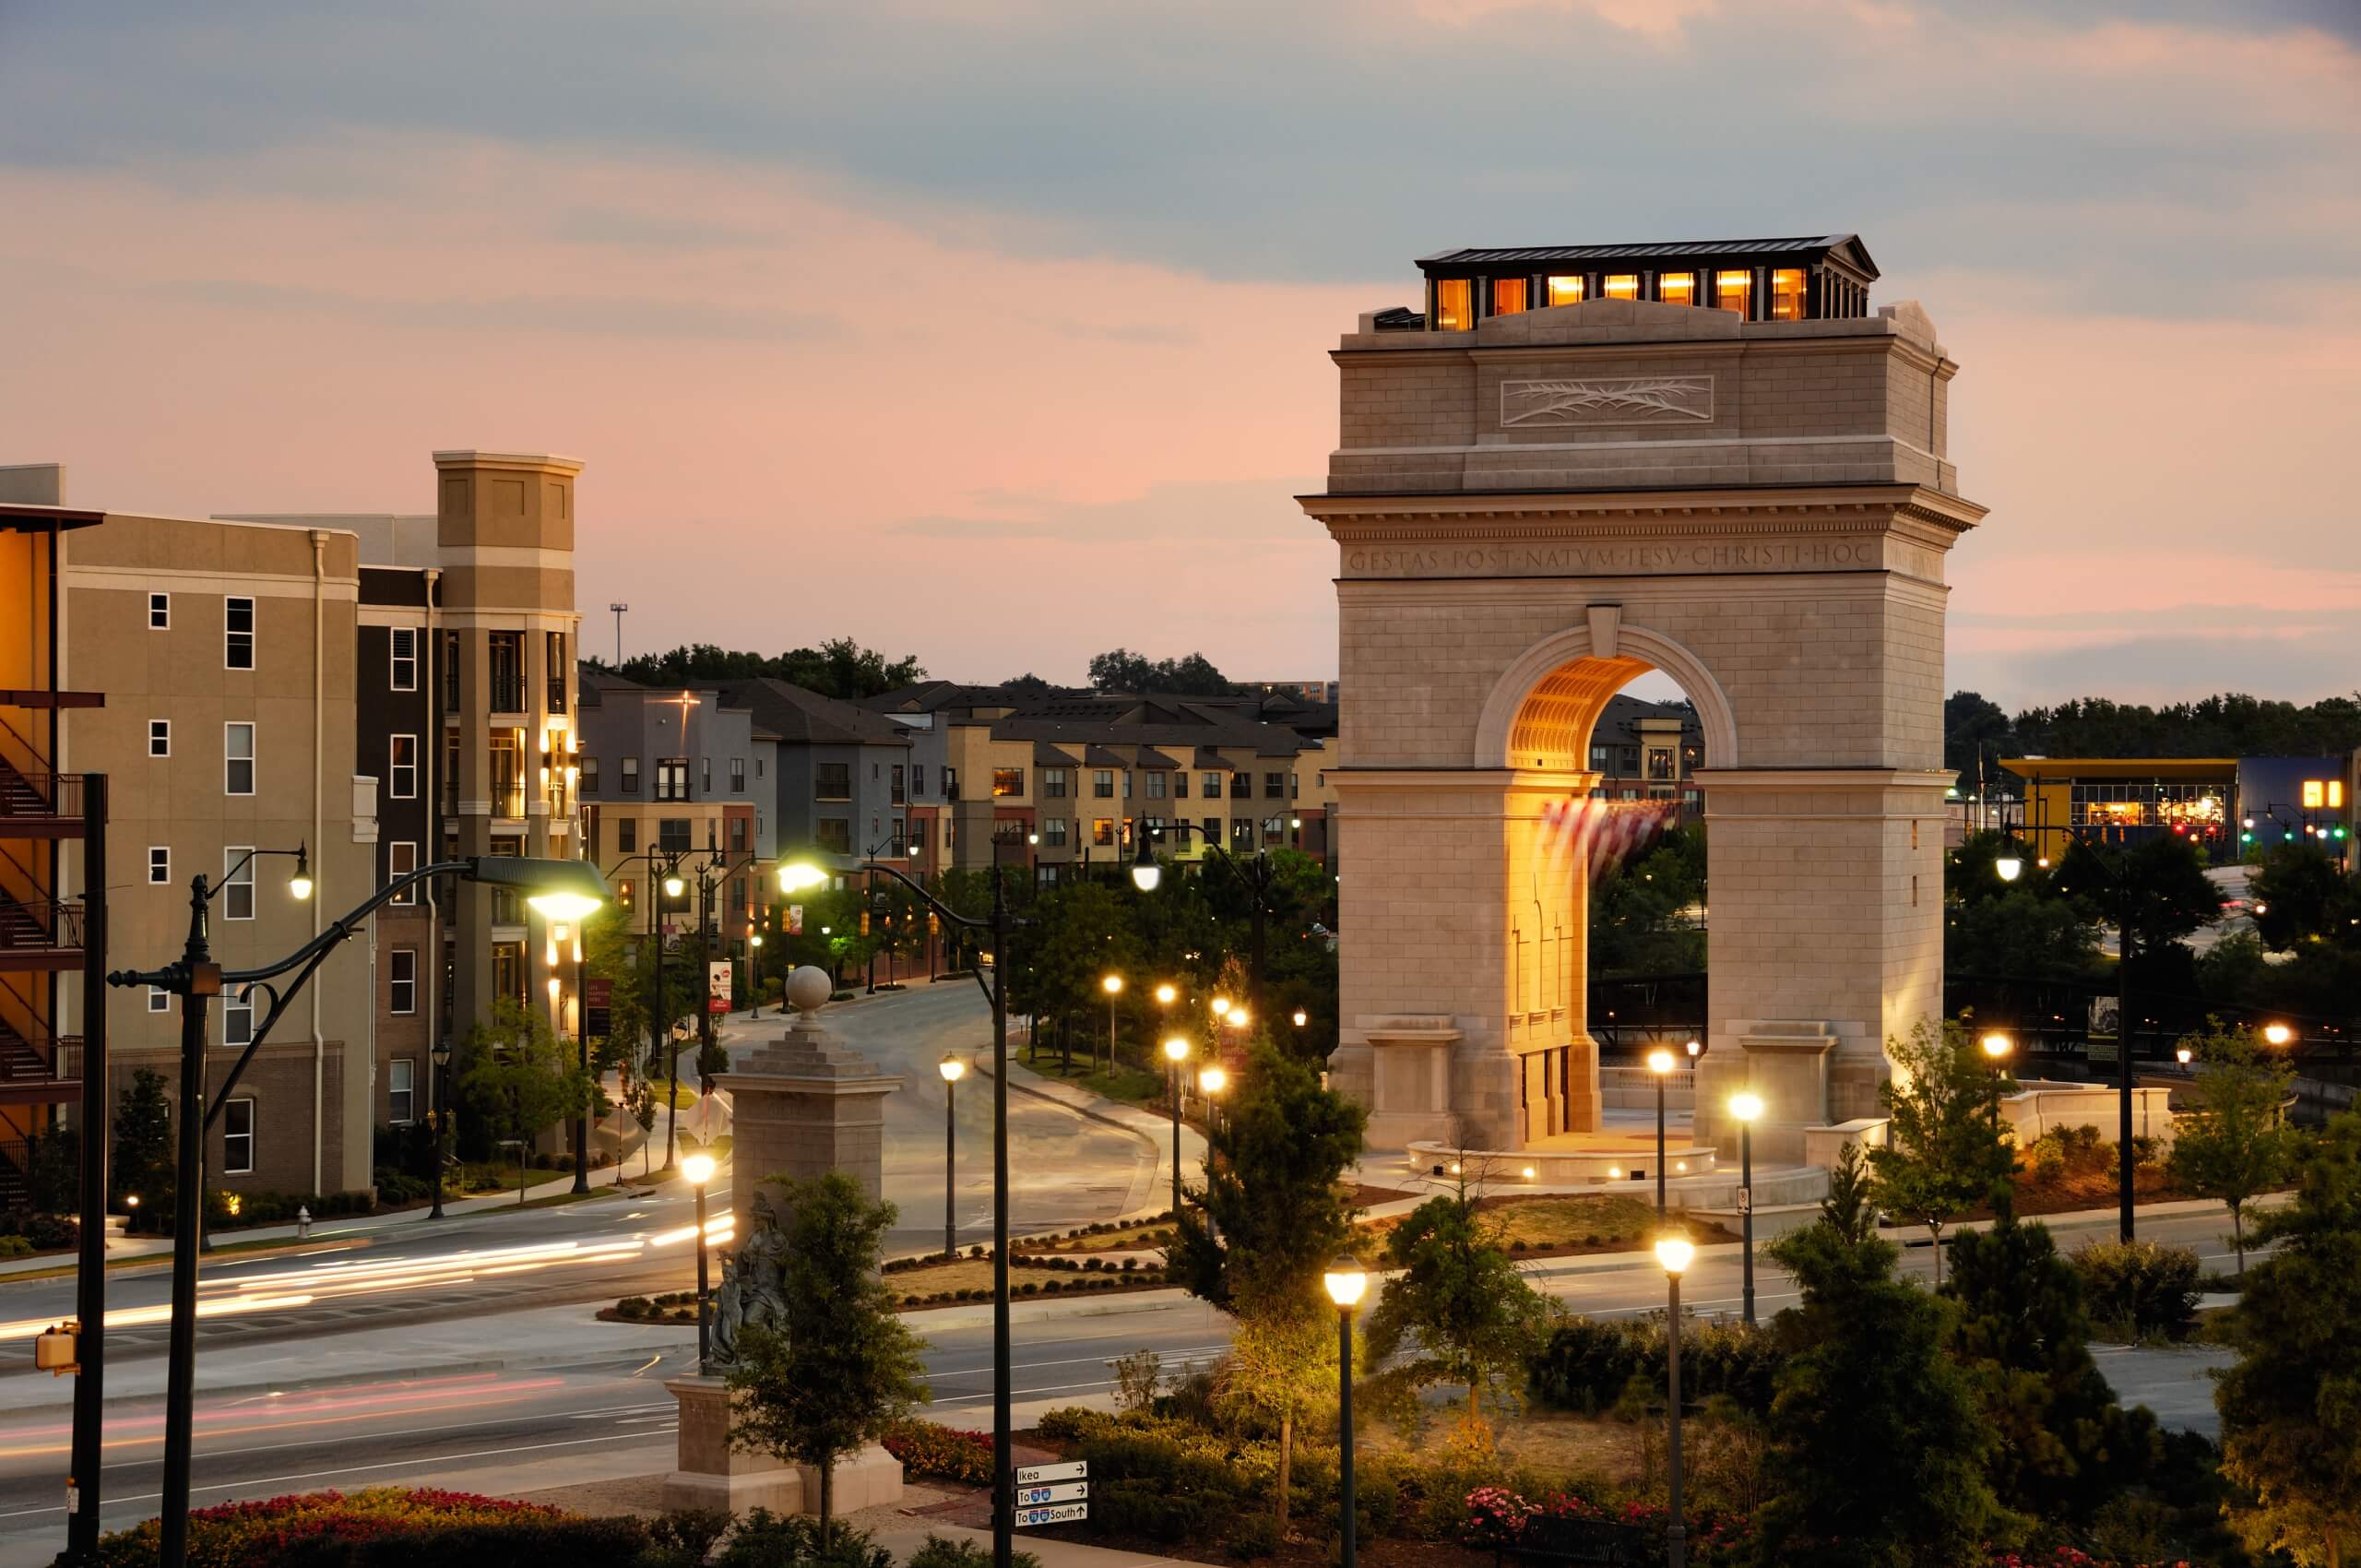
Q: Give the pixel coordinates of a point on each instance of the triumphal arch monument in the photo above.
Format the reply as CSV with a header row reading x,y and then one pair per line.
x,y
1718,461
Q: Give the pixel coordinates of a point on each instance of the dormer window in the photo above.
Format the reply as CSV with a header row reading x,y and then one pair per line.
x,y
1787,294
1508,295
1734,292
1622,286
1566,291
1677,288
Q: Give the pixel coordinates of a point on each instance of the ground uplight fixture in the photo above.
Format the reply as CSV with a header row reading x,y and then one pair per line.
x,y
1176,1048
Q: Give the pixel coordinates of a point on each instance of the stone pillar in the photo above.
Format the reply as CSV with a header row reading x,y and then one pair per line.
x,y
802,1106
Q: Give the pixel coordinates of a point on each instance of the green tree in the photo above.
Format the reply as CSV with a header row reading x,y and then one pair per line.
x,y
1976,733
1850,1208
2299,895
1642,919
842,1367
2233,1145
1942,1156
1877,1443
610,952
2290,1404
1120,670
2066,1447
2020,933
1279,1213
517,1079
1457,1298
143,1143
839,668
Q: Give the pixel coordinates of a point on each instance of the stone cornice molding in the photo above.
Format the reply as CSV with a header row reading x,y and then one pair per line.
x,y
1357,518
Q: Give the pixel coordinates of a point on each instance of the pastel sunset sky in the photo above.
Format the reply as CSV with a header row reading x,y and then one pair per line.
x,y
995,332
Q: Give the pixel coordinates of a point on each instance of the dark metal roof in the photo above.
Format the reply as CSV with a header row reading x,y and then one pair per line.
x,y
1481,256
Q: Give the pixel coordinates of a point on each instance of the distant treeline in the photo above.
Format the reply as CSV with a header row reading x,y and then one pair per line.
x,y
2227,724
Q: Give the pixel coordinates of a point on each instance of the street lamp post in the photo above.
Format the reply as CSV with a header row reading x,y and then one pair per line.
x,y
440,1058
568,890
1748,1110
1673,1252
697,1169
673,885
952,1069
1002,926
582,1051
1346,1280
1176,1051
1997,1047
1147,875
1660,1064
1113,986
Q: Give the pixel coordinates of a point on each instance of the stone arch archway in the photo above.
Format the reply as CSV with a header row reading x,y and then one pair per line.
x,y
1777,547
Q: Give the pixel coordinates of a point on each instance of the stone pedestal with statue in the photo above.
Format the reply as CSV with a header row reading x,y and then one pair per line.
x,y
804,1105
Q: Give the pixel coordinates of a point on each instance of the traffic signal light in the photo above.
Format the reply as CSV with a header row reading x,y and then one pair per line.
x,y
864,923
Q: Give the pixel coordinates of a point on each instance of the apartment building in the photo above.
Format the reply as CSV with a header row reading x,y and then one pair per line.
x,y
675,773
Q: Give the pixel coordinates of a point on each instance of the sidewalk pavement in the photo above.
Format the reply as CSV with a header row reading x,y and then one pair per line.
x,y
1151,1191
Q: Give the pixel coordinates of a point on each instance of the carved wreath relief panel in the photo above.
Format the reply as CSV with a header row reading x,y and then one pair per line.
x,y
1647,400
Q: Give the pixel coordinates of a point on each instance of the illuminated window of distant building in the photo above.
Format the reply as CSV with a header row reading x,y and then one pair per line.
x,y
1455,309
1566,291
1787,294
1102,830
1508,295
1734,292
2314,794
2336,794
1621,286
1677,287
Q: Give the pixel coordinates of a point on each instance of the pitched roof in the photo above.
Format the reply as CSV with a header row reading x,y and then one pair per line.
x,y
1849,245
805,718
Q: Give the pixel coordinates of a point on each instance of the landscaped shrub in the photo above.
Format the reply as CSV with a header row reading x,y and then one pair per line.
x,y
940,1453
764,1539
385,1528
938,1551
685,1538
1586,1363
43,1232
2138,1289
15,1247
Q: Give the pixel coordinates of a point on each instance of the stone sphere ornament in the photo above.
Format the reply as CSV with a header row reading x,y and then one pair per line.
x,y
809,988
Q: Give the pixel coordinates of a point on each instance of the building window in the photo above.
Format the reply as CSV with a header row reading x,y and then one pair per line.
x,y
237,1021
1787,294
1007,782
704,776
1213,787
1677,288
238,1138
1566,291
404,644
504,752
1241,786
672,779
631,776
918,775
1102,784
738,833
1053,783
1455,305
450,672
1599,757
401,980
238,883
832,781
1102,830
950,783
1275,786
160,613
508,970
237,759
1660,766
554,651
160,737
238,634
160,864
401,782
1508,295
589,775
1734,290
1155,786
673,835
1241,833
505,671
1180,784
1621,286
159,1001
737,776
1053,832
1209,832
401,1073
627,834
402,858
833,834
1274,830
900,793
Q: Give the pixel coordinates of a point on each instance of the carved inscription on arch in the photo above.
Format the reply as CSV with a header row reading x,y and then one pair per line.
x,y
1612,558
1639,400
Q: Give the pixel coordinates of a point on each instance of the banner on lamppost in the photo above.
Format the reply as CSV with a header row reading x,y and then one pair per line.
x,y
717,986
599,996
795,919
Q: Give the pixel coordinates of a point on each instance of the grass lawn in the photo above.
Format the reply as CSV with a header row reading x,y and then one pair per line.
x,y
917,1286
1132,1086
1552,1226
1554,1440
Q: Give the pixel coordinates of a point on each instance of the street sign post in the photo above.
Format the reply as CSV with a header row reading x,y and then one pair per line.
x,y
1053,1494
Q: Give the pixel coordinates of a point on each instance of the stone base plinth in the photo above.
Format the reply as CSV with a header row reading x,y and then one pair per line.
x,y
714,1475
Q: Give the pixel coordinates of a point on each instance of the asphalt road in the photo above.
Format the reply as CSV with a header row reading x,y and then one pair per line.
x,y
517,1426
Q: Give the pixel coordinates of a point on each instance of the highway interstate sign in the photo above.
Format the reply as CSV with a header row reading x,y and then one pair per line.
x,y
1061,1492
1041,1474
1055,1513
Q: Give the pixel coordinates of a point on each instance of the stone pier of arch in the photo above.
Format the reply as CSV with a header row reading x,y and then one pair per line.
x,y
1781,557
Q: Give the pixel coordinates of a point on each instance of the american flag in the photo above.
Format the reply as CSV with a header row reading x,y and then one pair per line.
x,y
1600,834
